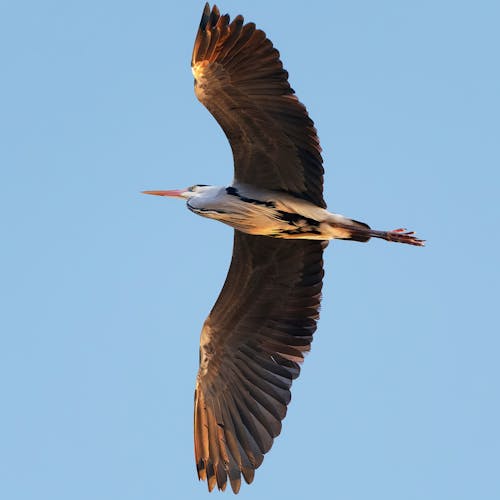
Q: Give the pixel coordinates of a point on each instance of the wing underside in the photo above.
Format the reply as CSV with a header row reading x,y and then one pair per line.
x,y
252,344
239,77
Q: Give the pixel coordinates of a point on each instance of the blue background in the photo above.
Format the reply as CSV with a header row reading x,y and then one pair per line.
x,y
104,290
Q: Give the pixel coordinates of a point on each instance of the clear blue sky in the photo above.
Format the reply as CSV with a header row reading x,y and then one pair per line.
x,y
104,290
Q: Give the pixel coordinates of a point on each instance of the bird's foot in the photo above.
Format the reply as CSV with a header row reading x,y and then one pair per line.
x,y
401,235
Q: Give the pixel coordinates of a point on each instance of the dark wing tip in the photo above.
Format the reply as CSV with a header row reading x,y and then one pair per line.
x,y
205,16
214,17
209,18
238,19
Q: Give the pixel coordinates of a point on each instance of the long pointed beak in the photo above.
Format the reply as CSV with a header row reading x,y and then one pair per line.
x,y
173,193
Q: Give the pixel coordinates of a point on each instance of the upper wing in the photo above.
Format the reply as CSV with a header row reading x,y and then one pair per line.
x,y
251,346
240,79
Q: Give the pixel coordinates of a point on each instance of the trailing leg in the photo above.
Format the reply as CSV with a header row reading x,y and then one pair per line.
x,y
358,231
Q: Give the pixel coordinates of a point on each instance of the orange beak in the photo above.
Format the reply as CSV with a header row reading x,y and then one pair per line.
x,y
173,193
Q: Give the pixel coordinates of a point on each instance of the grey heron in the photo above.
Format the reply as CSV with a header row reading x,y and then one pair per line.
x,y
254,339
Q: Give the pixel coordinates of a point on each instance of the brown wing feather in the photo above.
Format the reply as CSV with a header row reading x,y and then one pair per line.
x,y
240,79
251,346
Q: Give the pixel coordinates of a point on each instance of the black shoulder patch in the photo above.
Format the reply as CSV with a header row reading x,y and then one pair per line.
x,y
297,219
232,191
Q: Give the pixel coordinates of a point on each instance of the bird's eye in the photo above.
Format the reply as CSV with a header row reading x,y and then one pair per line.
x,y
196,187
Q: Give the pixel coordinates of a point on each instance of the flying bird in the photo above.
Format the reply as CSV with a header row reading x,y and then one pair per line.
x,y
254,339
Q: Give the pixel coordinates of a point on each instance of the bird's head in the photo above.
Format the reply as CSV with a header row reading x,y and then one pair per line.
x,y
190,192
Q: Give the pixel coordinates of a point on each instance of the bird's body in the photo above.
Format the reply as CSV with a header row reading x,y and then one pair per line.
x,y
268,213
255,337
275,214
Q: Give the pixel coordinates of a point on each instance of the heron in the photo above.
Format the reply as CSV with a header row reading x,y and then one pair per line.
x,y
254,340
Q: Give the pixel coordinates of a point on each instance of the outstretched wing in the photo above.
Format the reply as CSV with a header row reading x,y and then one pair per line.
x,y
251,346
240,79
